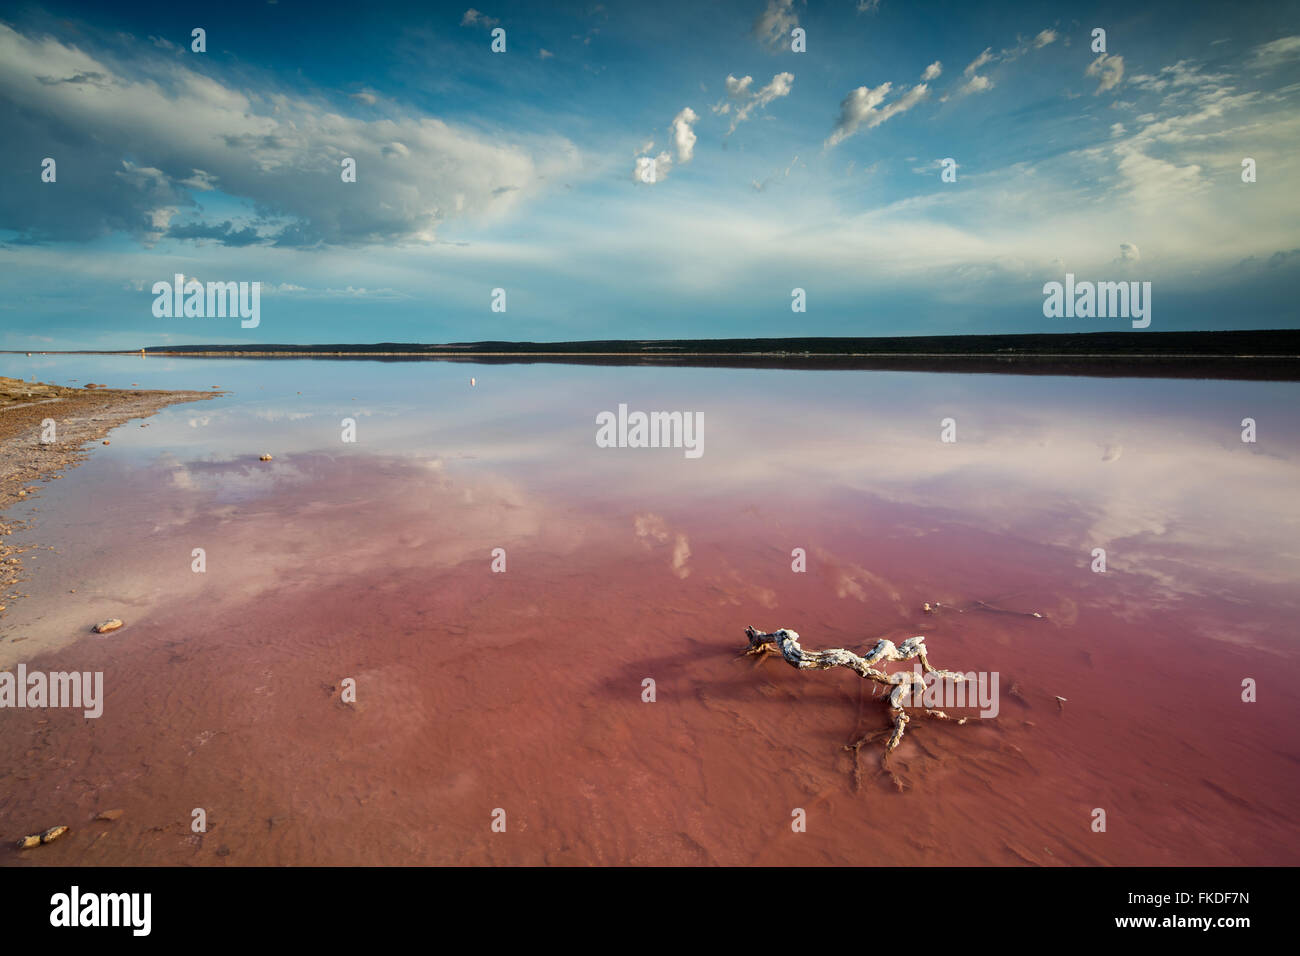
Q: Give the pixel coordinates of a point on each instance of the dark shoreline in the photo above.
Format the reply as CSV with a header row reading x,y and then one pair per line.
x,y
1248,368
1264,355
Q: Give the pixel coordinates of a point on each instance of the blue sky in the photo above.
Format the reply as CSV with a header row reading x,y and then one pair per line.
x,y
518,170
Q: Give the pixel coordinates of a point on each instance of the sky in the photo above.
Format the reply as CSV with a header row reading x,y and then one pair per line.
x,y
774,169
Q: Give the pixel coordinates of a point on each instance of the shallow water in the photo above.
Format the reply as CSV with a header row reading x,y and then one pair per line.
x,y
522,691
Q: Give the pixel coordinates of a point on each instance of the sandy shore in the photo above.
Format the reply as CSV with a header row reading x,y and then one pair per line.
x,y
81,416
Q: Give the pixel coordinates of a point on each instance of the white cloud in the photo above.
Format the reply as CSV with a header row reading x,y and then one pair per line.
x,y
1008,227
976,84
1176,77
1109,68
979,84
979,61
200,180
683,135
773,26
932,72
739,88
747,100
926,169
861,108
654,169
187,131
473,18
1274,53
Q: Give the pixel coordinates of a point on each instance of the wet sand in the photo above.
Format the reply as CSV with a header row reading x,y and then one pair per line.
x,y
80,416
523,690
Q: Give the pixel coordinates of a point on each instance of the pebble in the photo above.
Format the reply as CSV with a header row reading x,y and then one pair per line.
x,y
53,833
112,624
111,815
265,458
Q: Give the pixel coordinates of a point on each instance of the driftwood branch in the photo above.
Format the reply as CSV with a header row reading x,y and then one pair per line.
x,y
906,686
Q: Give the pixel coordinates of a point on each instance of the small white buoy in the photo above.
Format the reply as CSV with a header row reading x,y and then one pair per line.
x,y
471,382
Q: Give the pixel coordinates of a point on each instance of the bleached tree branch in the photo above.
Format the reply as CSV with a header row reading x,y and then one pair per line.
x,y
907,686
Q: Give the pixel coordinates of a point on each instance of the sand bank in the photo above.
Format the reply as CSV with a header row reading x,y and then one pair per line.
x,y
79,416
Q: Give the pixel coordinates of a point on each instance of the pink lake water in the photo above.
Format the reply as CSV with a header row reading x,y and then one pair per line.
x,y
522,691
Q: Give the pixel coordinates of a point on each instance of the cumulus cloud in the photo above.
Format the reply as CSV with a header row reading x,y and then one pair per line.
x,y
151,132
862,108
773,26
1109,69
1128,252
932,72
683,135
974,82
746,100
653,169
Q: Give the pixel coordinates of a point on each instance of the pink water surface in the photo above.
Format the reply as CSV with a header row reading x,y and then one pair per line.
x,y
522,691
